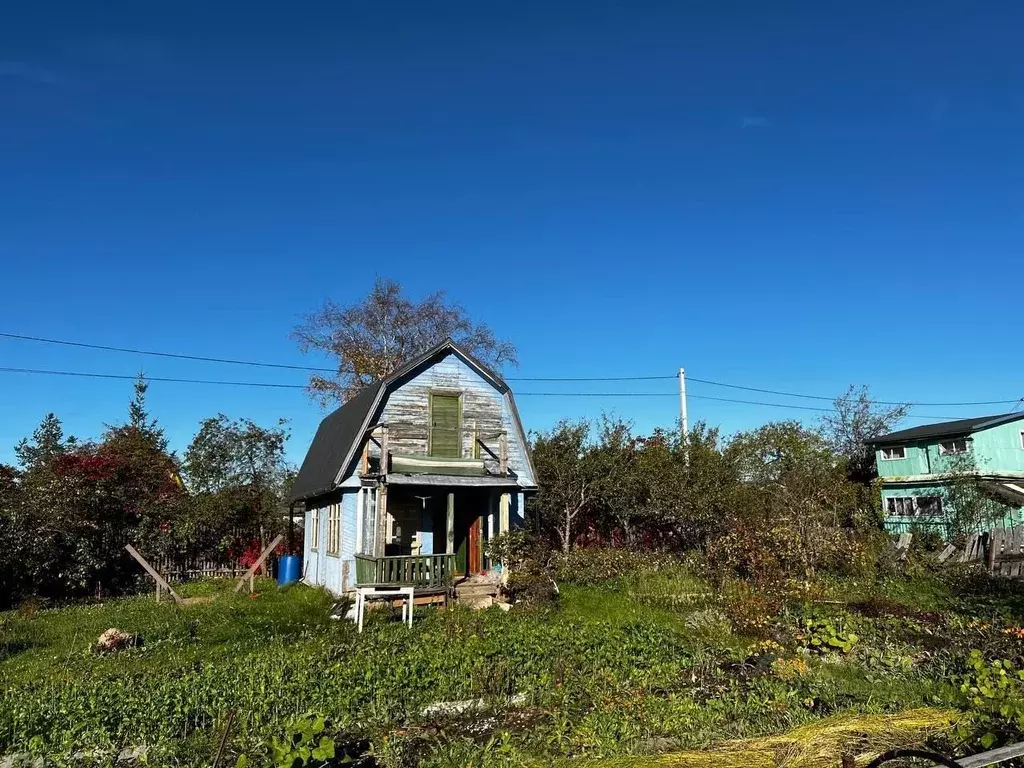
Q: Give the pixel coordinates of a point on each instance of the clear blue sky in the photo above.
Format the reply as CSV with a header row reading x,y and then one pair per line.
x,y
794,196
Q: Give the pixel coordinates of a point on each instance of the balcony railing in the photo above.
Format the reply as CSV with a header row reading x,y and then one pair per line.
x,y
405,570
387,442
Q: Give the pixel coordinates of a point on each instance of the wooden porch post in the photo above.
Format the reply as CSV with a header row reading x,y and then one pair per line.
x,y
385,451
382,516
449,547
503,512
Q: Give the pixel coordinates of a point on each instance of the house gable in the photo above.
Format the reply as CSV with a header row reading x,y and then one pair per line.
x,y
402,400
486,410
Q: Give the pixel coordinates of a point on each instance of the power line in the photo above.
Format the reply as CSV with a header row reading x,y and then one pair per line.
x,y
313,369
270,385
587,378
288,386
798,407
832,399
286,366
152,378
175,355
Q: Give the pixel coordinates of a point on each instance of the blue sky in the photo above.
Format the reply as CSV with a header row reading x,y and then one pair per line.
x,y
795,196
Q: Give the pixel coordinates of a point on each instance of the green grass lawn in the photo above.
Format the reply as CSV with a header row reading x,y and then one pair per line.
x,y
638,666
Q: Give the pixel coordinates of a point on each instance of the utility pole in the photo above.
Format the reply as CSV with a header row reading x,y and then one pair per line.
x,y
682,401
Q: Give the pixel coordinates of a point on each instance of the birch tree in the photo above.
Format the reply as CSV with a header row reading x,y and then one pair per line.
x,y
366,341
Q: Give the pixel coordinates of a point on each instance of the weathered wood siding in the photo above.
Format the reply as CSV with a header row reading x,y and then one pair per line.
x,y
406,411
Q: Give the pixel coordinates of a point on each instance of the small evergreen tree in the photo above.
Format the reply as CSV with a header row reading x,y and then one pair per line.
x,y
47,442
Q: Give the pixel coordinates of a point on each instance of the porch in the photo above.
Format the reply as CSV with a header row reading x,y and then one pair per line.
x,y
428,535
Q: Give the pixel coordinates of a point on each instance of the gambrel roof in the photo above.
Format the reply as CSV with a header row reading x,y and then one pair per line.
x,y
340,435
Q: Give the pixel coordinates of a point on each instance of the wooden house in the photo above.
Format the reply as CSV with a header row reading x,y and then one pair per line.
x,y
917,465
406,482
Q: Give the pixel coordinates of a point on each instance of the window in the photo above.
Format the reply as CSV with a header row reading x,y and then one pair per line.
x,y
314,528
334,529
914,506
929,505
445,426
895,452
902,506
1022,438
959,445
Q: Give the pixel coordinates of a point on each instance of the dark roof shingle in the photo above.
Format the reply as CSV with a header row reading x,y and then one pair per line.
x,y
335,435
945,429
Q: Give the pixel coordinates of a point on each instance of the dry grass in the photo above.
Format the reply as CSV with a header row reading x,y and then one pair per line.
x,y
816,745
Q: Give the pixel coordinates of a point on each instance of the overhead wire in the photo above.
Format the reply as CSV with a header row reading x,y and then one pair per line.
x,y
314,369
823,397
273,385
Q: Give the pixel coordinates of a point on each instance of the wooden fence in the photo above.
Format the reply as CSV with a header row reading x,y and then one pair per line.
x,y
188,570
1001,549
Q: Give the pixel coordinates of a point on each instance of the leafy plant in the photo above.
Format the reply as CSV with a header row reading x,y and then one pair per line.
x,y
822,635
993,693
304,744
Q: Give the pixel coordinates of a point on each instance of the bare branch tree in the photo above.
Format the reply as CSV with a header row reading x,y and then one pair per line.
x,y
856,420
372,338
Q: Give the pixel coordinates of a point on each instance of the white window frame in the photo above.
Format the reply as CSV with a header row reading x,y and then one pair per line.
x,y
943,443
1022,439
891,449
314,529
334,530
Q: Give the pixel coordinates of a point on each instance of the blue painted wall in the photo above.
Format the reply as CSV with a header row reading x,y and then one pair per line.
x,y
310,557
426,532
327,570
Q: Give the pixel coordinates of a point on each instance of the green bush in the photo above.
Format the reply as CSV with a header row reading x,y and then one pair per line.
x,y
993,693
591,567
530,575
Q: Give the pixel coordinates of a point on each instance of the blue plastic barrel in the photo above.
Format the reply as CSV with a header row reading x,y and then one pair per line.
x,y
288,569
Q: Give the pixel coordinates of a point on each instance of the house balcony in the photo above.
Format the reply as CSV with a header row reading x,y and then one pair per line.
x,y
421,571
415,450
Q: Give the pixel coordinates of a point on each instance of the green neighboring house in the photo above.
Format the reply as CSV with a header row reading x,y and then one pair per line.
x,y
915,467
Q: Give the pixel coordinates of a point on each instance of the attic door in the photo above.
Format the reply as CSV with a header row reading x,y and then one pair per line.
x,y
445,423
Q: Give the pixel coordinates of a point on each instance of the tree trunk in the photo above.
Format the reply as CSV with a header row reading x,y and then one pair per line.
x,y
628,533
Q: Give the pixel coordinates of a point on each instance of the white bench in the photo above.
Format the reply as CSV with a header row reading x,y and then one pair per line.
x,y
381,593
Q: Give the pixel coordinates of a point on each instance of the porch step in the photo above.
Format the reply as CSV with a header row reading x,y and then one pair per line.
x,y
476,592
472,591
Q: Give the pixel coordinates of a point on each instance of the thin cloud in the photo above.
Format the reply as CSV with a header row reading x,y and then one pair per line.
x,y
22,70
755,122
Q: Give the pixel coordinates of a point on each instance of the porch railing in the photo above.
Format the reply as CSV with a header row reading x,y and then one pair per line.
x,y
407,570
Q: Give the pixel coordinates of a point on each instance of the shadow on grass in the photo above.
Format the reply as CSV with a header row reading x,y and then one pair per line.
x,y
11,648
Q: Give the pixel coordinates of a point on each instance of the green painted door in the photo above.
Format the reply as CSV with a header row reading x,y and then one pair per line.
x,y
445,438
